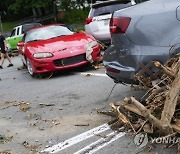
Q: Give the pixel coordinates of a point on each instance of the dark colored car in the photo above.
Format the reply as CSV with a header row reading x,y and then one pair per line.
x,y
140,34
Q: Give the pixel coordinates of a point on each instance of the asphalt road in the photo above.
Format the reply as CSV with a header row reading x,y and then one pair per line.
x,y
37,113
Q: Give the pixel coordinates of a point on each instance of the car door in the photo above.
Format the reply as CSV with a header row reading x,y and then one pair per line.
x,y
11,39
19,36
15,37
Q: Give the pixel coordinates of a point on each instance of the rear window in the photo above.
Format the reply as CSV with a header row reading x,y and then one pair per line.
x,y
98,10
25,28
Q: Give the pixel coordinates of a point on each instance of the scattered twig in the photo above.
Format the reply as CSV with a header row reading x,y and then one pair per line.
x,y
81,125
111,92
42,104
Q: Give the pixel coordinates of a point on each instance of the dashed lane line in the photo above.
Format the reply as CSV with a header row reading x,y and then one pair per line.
x,y
63,145
99,144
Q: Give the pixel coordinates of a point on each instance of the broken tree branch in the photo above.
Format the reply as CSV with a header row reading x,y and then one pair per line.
x,y
157,123
168,71
171,101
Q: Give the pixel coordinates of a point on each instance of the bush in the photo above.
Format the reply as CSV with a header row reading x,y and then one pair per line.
x,y
7,26
75,16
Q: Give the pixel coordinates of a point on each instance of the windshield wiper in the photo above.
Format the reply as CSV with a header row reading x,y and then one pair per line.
x,y
56,37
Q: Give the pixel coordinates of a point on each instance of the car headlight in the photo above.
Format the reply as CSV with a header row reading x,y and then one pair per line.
x,y
89,49
43,55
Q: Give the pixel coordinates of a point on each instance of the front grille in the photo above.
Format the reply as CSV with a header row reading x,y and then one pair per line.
x,y
70,60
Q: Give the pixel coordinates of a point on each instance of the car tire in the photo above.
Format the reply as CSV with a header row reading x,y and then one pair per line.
x,y
30,68
24,64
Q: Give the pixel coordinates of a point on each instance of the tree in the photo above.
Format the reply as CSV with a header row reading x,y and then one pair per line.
x,y
30,7
75,10
72,4
5,12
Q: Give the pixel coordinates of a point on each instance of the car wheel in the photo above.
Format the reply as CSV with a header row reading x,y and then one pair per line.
x,y
30,68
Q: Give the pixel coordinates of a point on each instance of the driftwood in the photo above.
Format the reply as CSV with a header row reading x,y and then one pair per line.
x,y
168,71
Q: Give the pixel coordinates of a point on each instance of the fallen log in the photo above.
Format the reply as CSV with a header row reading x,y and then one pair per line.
x,y
171,102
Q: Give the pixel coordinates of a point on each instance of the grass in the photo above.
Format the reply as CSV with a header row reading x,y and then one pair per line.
x,y
7,26
79,28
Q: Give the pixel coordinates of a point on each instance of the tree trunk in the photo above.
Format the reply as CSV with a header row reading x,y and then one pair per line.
x,y
171,101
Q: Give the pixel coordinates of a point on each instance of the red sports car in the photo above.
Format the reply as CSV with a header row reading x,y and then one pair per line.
x,y
57,47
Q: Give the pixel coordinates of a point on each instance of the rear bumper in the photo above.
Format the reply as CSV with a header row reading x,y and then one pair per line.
x,y
123,62
120,73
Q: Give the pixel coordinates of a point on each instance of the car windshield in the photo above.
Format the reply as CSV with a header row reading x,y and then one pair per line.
x,y
48,32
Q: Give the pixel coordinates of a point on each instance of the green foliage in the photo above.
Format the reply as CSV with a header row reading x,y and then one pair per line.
x,y
73,16
19,9
8,26
79,28
24,5
75,11
72,4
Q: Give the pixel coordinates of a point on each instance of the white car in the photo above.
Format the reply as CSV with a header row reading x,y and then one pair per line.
x,y
97,23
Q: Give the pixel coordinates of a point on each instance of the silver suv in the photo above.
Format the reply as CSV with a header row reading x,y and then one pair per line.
x,y
143,33
97,23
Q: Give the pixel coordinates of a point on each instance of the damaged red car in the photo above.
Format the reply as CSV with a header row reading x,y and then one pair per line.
x,y
57,47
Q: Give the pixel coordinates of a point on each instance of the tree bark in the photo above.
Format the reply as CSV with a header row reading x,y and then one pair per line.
x,y
171,101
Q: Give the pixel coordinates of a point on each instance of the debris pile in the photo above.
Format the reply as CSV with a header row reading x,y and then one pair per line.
x,y
159,112
23,106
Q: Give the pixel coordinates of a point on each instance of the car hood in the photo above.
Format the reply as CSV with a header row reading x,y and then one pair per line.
x,y
63,43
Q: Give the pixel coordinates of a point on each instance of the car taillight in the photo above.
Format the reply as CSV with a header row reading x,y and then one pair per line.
x,y
88,21
119,24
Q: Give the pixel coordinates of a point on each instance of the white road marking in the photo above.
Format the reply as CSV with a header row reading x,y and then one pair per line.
x,y
77,139
94,74
99,144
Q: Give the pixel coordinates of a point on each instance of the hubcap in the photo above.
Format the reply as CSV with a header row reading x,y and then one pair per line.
x,y
29,67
